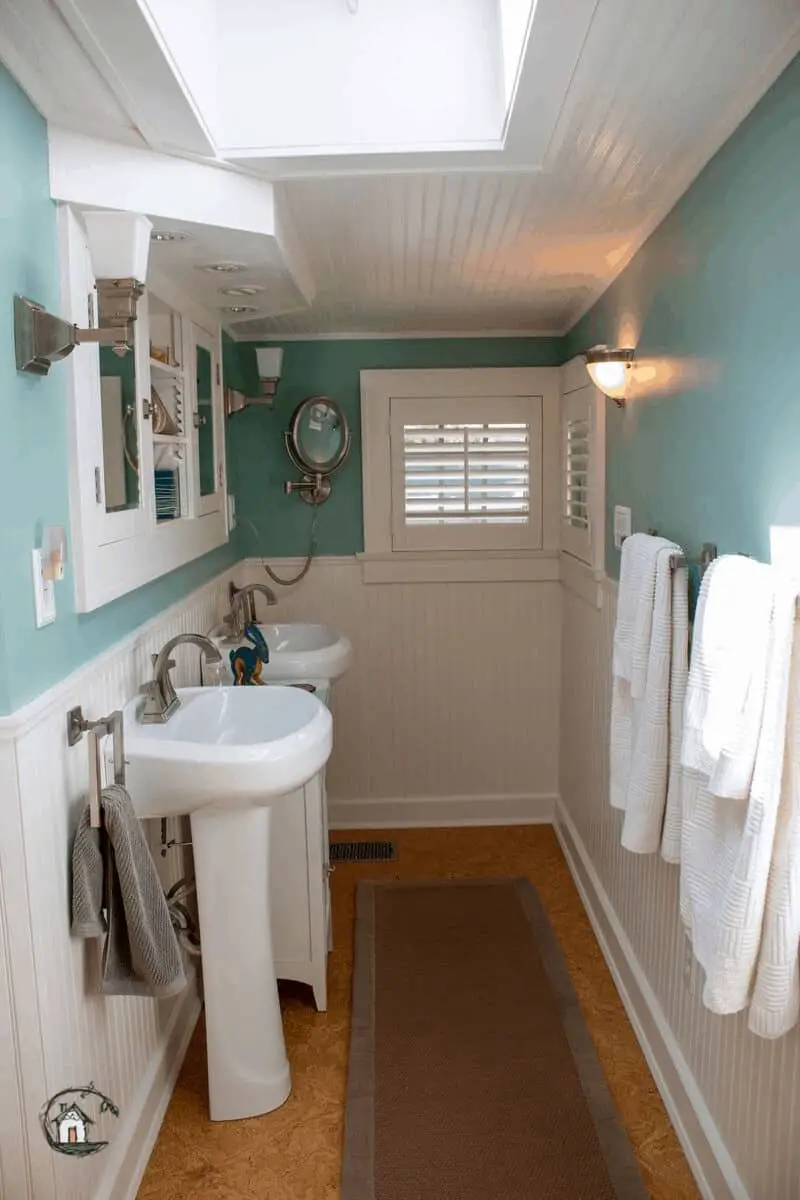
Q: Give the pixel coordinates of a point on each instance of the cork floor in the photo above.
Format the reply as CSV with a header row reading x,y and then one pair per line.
x,y
295,1152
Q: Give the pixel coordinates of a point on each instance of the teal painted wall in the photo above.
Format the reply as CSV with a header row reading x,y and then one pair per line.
x,y
714,298
33,440
258,464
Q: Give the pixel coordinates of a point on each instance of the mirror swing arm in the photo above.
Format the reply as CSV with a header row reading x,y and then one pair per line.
x,y
314,486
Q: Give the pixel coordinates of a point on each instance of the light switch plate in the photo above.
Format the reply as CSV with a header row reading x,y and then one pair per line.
x,y
44,592
622,524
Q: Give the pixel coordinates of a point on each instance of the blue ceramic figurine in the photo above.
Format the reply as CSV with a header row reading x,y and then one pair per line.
x,y
248,661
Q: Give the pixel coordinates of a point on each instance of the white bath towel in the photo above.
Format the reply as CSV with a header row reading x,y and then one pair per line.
x,y
648,623
727,842
775,1006
725,693
635,599
678,680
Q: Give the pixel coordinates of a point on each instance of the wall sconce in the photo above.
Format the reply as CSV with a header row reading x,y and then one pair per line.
x,y
610,371
270,361
119,243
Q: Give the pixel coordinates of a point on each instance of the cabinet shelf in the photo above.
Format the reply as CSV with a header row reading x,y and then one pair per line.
x,y
179,439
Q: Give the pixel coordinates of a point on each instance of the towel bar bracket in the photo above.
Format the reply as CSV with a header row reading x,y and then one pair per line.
x,y
77,726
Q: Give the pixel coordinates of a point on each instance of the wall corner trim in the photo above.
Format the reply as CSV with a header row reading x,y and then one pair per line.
x,y
711,1163
584,581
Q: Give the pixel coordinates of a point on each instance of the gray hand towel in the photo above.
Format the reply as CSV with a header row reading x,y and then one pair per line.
x,y
141,956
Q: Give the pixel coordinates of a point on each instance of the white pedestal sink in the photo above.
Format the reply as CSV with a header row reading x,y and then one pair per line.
x,y
224,757
298,650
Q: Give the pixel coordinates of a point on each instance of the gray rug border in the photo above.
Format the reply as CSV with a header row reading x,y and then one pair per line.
x,y
358,1161
621,1162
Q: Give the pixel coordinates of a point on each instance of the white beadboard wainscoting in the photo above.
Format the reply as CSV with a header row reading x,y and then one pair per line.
x,y
733,1098
449,713
60,1032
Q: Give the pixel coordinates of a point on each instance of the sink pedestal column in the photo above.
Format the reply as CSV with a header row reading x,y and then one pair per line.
x,y
248,1072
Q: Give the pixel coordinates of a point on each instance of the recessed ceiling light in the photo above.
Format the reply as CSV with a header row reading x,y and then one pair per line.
x,y
244,289
169,235
223,268
239,308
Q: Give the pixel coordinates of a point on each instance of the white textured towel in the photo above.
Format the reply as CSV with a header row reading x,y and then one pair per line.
x,y
735,725
649,669
727,680
678,679
775,1006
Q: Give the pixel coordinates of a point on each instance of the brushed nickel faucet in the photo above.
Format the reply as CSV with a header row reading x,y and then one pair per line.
x,y
236,617
162,699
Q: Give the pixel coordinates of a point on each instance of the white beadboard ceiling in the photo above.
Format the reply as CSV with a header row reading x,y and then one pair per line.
x,y
618,106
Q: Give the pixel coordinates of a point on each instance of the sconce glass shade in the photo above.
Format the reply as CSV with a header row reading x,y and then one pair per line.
x,y
270,361
119,244
610,370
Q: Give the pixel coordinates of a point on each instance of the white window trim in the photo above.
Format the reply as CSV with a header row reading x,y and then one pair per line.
x,y
574,379
381,563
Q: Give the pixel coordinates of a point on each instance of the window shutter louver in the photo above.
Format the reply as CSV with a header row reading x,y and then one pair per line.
x,y
576,492
466,473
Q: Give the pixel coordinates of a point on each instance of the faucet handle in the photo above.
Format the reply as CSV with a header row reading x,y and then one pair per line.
x,y
149,689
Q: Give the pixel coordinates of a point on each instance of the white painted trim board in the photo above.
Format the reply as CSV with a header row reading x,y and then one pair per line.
x,y
433,812
130,1150
711,1163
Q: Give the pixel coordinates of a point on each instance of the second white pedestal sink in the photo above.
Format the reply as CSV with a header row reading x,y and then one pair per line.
x,y
299,650
223,757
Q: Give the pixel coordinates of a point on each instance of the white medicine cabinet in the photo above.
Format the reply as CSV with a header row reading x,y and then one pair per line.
x,y
147,454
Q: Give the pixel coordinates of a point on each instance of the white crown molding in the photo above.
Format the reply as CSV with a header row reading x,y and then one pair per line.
x,y
389,336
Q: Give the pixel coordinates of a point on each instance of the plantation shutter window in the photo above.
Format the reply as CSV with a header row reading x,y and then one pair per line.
x,y
582,474
466,473
576,489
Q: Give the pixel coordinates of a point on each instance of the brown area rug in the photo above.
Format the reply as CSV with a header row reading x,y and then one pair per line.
x,y
472,1073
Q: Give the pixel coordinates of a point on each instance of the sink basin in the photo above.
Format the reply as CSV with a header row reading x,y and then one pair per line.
x,y
225,747
224,757
298,650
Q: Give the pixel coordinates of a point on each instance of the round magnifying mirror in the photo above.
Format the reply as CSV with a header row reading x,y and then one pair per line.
x,y
318,439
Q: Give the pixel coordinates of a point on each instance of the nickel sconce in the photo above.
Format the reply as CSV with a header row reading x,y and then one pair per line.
x,y
118,245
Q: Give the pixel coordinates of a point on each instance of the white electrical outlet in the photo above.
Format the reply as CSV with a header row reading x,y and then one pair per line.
x,y
622,525
44,592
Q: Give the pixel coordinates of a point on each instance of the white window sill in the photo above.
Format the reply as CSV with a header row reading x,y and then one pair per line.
x,y
461,566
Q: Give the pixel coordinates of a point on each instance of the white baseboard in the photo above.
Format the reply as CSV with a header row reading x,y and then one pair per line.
x,y
428,812
130,1150
708,1157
